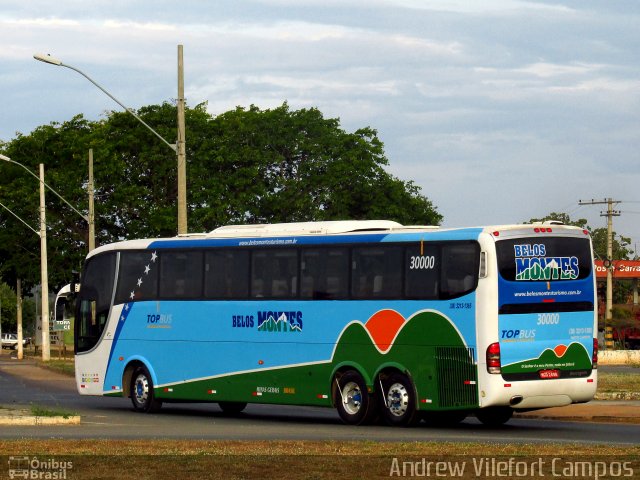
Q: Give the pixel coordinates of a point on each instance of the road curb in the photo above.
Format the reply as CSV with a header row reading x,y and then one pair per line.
x,y
21,416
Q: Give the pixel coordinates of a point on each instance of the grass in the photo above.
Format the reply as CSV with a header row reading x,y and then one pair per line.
x,y
618,382
66,367
39,411
291,459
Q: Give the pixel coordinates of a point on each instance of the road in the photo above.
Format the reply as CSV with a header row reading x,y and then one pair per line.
x,y
103,417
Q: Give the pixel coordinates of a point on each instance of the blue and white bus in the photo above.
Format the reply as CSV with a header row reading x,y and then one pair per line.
x,y
370,317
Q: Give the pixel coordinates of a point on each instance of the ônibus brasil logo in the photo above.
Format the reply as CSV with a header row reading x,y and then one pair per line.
x,y
280,321
532,264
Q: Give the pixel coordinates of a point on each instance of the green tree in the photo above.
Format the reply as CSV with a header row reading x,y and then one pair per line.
x,y
243,166
8,307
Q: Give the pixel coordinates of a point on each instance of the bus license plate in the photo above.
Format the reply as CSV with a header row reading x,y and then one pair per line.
x,y
549,373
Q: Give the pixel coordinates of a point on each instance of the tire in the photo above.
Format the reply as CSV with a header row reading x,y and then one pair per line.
x,y
399,401
494,416
142,392
352,400
232,408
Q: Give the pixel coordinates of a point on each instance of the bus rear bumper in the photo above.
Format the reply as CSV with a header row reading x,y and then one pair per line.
x,y
531,395
540,401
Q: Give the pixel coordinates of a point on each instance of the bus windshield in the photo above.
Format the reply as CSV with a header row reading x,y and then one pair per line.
x,y
545,274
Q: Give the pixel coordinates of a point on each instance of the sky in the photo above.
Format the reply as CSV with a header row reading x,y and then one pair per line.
x,y
500,110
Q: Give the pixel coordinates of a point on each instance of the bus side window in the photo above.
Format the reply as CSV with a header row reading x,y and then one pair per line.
x,y
181,274
137,277
376,272
226,274
325,273
461,263
422,271
274,273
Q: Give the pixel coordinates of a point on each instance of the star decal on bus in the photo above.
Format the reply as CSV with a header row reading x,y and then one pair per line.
x,y
147,269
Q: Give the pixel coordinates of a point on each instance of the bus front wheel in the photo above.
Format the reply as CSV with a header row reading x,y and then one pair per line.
x,y
352,399
399,401
142,393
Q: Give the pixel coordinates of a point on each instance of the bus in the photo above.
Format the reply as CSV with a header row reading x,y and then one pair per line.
x,y
373,318
63,315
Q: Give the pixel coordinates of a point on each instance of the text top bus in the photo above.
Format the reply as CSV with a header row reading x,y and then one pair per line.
x,y
370,317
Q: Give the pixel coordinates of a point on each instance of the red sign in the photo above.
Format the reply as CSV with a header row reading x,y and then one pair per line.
x,y
549,373
619,268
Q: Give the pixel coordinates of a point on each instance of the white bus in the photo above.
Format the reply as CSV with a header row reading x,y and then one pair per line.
x,y
369,317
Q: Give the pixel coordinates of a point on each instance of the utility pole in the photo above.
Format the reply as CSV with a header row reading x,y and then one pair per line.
x,y
180,149
19,318
610,213
46,355
92,216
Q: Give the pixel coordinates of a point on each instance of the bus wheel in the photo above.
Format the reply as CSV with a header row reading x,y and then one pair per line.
x,y
494,416
232,408
353,402
142,393
399,401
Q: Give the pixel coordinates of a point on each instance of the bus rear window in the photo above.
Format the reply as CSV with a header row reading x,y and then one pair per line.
x,y
544,259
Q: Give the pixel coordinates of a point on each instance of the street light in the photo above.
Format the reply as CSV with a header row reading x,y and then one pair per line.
x,y
179,147
87,218
44,280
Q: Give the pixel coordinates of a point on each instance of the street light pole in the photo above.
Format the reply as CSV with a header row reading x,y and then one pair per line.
x,y
92,216
182,161
177,148
46,349
44,281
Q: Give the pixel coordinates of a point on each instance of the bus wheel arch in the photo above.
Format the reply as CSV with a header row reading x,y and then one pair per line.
x,y
352,398
340,369
138,384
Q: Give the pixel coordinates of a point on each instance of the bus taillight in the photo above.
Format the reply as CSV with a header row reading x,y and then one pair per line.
x,y
493,358
594,358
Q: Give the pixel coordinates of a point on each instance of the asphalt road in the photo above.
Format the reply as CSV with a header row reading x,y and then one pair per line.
x,y
103,417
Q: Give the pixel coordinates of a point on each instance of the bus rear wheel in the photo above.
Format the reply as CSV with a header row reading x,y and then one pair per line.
x,y
352,399
399,401
142,393
494,416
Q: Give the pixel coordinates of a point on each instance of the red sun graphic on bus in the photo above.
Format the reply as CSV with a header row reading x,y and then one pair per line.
x,y
383,327
560,350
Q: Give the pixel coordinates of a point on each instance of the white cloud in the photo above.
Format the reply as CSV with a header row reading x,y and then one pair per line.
x,y
41,22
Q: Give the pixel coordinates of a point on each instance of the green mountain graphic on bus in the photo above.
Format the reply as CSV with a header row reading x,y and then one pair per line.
x,y
573,357
367,346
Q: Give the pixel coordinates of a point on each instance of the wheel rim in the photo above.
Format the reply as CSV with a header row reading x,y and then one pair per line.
x,y
397,399
352,398
141,389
